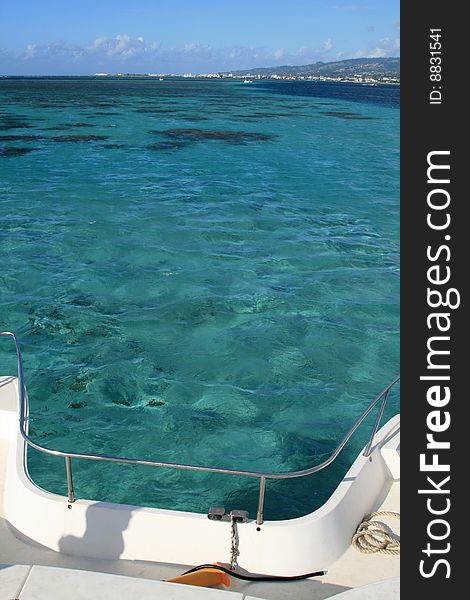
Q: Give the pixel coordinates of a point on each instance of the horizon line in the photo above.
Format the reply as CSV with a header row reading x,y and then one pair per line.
x,y
204,73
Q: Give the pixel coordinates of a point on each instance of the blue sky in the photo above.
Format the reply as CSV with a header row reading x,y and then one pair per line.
x,y
179,36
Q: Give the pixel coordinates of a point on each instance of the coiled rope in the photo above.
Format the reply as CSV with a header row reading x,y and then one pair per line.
x,y
375,537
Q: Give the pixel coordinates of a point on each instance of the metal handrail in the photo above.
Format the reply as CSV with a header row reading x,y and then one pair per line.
x,y
262,476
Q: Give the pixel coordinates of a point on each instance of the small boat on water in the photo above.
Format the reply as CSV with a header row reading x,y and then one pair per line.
x,y
248,81
55,545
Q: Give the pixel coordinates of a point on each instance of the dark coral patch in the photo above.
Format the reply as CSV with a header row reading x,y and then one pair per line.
x,y
121,401
7,124
231,137
155,403
76,124
77,404
187,117
52,105
12,151
346,115
113,146
17,138
262,115
66,126
157,110
79,138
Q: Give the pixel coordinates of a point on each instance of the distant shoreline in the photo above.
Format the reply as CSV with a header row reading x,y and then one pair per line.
x,y
367,82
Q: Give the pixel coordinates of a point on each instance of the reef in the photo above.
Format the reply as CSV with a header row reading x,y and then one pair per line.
x,y
228,136
79,138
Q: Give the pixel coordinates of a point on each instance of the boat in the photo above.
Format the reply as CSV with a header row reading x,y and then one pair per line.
x,y
248,81
54,546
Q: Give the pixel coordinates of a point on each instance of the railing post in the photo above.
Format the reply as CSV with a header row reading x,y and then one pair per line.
x,y
68,468
262,487
377,423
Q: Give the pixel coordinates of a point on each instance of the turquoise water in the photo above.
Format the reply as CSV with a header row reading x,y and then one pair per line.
x,y
199,271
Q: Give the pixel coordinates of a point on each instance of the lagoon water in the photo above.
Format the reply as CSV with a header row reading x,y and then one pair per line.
x,y
202,272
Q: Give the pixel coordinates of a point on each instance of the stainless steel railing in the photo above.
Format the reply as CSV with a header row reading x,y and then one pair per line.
x,y
68,456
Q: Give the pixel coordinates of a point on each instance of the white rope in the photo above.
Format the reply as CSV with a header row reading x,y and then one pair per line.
x,y
376,537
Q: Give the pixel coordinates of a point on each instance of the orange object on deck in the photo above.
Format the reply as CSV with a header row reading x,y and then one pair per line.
x,y
203,577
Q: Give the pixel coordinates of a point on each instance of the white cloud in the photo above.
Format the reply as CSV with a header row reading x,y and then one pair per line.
x,y
30,51
35,52
246,57
377,53
121,47
383,48
196,49
98,43
139,55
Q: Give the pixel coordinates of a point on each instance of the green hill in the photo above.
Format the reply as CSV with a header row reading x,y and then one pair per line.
x,y
364,67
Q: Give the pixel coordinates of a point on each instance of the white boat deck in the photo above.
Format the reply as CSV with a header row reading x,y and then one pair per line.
x,y
22,582
352,570
47,583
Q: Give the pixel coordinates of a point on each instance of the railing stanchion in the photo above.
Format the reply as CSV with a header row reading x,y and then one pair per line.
x,y
68,468
262,488
377,423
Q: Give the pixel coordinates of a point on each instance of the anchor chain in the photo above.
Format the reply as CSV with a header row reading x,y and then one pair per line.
x,y
234,552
